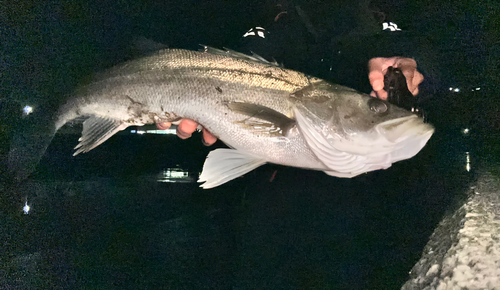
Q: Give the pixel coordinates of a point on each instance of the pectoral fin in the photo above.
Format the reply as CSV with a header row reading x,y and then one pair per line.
x,y
96,130
223,165
270,121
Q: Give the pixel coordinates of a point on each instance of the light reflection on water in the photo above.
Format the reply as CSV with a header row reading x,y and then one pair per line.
x,y
175,175
467,138
467,161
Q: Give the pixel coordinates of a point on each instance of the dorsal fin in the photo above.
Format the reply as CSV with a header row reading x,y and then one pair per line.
x,y
229,52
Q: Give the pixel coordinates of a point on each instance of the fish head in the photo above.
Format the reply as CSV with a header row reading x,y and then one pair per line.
x,y
352,133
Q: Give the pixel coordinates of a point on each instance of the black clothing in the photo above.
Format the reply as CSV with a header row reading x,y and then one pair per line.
x,y
329,41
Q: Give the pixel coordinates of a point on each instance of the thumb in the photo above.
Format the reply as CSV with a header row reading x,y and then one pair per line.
x,y
376,80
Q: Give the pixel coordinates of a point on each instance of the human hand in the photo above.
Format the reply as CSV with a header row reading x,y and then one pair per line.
x,y
377,67
186,127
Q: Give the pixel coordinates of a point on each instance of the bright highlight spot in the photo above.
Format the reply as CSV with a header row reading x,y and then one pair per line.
x,y
27,110
467,161
465,131
390,26
259,31
177,175
26,208
160,132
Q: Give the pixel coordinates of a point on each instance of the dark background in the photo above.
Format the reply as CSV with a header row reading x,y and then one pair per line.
x,y
101,221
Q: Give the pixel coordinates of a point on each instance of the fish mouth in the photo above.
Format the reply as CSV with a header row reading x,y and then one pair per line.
x,y
354,153
389,142
406,136
397,129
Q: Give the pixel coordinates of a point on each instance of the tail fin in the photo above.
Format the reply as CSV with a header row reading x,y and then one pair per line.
x,y
30,140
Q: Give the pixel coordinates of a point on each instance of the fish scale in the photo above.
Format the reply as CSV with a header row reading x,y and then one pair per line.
x,y
244,101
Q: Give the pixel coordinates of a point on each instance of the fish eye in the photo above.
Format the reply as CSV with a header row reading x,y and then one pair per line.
x,y
377,105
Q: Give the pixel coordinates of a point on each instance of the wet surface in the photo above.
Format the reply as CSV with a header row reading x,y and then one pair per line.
x,y
102,220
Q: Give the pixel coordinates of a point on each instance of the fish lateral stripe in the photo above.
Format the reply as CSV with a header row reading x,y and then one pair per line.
x,y
222,67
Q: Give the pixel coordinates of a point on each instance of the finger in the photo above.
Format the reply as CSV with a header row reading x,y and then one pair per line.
x,y
376,64
382,94
418,78
183,135
186,128
208,138
407,65
376,80
413,80
163,126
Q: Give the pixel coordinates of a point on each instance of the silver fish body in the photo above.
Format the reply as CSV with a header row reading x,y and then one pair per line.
x,y
263,112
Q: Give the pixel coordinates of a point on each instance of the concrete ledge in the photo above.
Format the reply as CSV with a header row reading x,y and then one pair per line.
x,y
464,250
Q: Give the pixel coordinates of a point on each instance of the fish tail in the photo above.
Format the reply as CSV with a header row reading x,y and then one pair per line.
x,y
30,139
